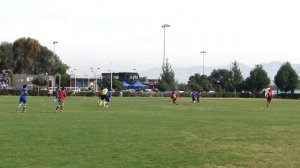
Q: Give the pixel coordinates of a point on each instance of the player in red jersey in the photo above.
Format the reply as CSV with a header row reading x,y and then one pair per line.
x,y
269,96
174,97
61,97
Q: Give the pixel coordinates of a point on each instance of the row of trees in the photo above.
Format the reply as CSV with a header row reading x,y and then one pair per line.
x,y
224,80
27,55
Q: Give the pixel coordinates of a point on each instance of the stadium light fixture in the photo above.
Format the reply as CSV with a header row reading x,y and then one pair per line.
x,y
54,42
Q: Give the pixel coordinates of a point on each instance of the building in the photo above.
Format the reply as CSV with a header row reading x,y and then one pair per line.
x,y
84,83
128,77
25,79
152,83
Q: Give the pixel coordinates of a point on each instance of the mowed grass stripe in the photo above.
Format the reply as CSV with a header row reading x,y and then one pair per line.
x,y
150,132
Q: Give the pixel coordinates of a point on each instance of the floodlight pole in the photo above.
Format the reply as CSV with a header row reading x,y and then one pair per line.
x,y
203,52
59,79
71,72
75,78
136,73
54,42
95,76
164,49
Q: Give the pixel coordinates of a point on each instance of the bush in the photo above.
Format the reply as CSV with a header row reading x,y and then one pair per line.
x,y
14,92
11,92
85,93
288,96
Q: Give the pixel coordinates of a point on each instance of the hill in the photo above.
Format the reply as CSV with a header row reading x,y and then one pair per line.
x,y
182,74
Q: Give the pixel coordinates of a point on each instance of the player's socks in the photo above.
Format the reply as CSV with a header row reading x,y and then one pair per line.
x,y
18,108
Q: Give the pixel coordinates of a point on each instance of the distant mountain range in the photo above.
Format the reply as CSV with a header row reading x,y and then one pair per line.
x,y
183,74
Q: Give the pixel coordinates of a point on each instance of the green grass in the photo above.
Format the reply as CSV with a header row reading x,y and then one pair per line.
x,y
150,132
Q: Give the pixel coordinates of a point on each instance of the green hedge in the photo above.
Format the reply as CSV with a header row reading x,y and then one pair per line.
x,y
152,94
13,92
84,93
289,96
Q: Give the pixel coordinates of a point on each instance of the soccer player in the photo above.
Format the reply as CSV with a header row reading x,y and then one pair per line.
x,y
269,96
105,90
107,98
61,97
23,99
199,94
56,94
174,97
101,96
194,95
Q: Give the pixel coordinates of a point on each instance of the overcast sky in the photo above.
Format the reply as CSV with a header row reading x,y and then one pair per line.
x,y
128,33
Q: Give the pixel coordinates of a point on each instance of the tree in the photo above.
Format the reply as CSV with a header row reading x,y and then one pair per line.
x,y
116,84
25,50
199,82
194,82
258,79
182,86
47,62
6,56
221,80
39,81
286,78
13,80
237,77
167,80
26,55
62,70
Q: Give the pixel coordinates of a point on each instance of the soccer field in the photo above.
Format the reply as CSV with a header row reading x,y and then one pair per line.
x,y
150,132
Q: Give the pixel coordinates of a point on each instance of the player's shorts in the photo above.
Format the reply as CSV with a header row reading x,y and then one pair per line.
x,y
102,97
269,99
60,102
22,100
107,99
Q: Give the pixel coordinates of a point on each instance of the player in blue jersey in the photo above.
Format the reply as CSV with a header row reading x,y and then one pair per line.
x,y
56,94
194,96
23,99
107,98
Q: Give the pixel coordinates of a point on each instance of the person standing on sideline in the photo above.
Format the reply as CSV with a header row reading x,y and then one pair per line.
x,y
61,97
174,97
23,99
269,96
